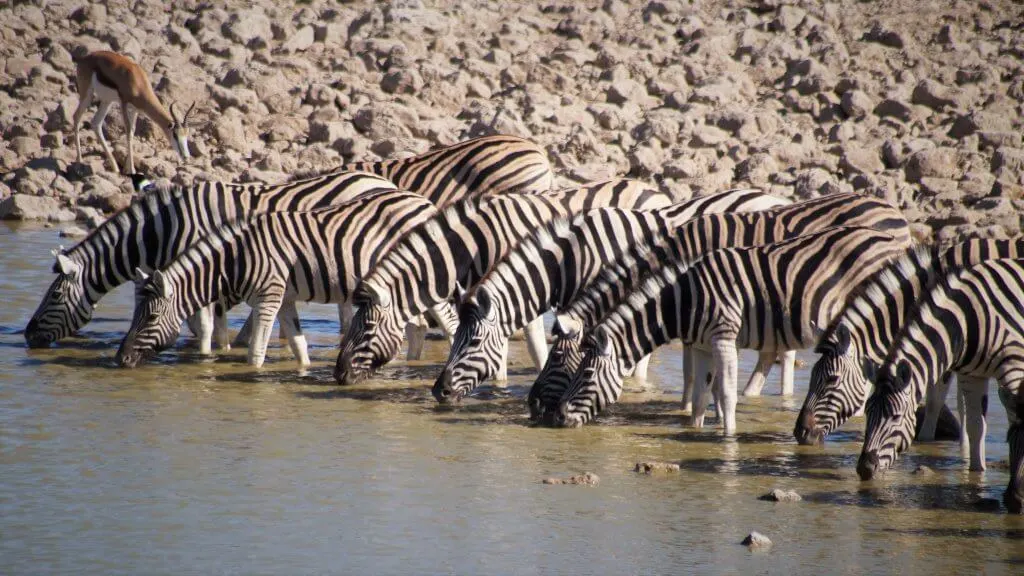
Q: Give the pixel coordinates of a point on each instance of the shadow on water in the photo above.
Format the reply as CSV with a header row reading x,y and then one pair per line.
x,y
1006,533
937,496
808,466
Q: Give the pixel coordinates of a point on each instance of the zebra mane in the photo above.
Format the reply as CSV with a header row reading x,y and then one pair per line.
x,y
877,289
546,237
651,287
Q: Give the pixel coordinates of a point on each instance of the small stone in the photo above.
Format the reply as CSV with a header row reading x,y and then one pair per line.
x,y
652,467
780,495
931,94
301,40
707,136
895,109
52,141
923,470
585,479
856,160
756,540
936,162
73,232
883,36
856,104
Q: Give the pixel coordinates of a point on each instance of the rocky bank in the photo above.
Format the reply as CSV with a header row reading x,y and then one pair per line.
x,y
918,102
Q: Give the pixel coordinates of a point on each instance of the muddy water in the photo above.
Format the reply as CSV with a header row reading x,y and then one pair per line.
x,y
197,466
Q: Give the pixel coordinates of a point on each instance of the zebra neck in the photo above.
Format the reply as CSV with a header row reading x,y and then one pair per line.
x,y
641,325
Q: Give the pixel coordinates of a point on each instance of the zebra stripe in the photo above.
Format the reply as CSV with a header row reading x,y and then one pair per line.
x,y
457,247
770,297
864,332
157,227
694,239
970,322
552,269
270,262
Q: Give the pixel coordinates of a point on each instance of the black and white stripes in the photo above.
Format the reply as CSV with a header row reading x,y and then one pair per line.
x,y
970,322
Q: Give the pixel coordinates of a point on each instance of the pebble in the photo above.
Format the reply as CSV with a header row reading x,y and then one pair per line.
x,y
585,479
781,495
756,540
653,467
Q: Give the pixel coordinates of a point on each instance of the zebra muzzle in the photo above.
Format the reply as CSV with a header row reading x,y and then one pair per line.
x,y
867,465
807,432
443,390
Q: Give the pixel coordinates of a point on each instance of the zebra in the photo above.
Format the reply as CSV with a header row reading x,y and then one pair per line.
x,y
862,334
270,262
553,267
696,238
773,296
458,246
158,226
970,322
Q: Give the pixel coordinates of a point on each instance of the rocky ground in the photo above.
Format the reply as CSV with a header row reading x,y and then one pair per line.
x,y
918,102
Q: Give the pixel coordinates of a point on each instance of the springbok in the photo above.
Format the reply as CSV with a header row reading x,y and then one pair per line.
x,y
108,78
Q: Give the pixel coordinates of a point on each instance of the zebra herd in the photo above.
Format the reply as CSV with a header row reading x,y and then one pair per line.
x,y
473,237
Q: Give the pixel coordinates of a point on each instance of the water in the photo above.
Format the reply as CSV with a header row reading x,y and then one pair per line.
x,y
195,466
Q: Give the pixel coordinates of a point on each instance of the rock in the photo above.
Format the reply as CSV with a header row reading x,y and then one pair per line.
x,y
756,540
937,162
857,160
931,94
250,28
653,467
402,82
25,146
923,470
1008,159
25,207
300,41
625,90
780,495
585,479
75,232
878,33
707,136
856,104
894,109
815,182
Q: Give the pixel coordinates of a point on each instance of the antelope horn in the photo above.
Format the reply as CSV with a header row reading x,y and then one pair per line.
x,y
188,112
174,116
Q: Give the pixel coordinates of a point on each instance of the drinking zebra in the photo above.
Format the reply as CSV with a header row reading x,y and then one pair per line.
x,y
970,322
155,228
694,239
860,337
270,262
771,297
552,268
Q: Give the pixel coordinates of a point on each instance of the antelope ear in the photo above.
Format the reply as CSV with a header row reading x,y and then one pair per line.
x,y
485,304
378,296
163,287
842,338
67,266
567,326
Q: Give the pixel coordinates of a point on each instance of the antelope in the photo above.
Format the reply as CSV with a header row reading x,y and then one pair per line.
x,y
109,77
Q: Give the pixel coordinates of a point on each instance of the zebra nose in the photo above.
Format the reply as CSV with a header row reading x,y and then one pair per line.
x,y
807,431
867,465
442,390
341,372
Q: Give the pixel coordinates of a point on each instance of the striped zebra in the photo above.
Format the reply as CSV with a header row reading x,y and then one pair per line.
x,y
859,338
552,269
456,247
764,297
461,244
270,262
155,228
970,322
694,239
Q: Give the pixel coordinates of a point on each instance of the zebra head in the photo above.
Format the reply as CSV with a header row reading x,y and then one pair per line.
x,y
373,337
155,324
563,361
478,349
837,389
891,417
65,307
595,383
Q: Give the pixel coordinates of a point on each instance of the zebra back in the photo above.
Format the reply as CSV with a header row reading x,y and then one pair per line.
x,y
482,166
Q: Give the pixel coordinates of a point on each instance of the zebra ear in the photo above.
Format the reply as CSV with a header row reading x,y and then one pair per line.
x,y
870,370
903,373
602,343
460,293
842,339
567,326
67,266
485,304
163,287
140,275
378,296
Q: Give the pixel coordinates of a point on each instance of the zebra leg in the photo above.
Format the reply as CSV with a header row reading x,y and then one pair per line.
x,y
444,314
537,342
765,358
726,362
263,312
502,374
245,334
416,334
288,316
934,401
788,361
221,335
975,391
205,333
1012,397
640,370
688,378
703,378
